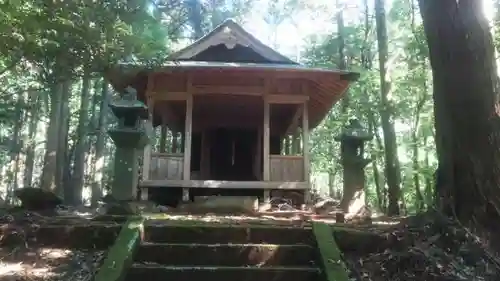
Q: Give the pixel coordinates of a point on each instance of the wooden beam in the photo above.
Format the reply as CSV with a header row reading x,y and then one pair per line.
x,y
200,90
286,99
272,98
212,122
231,90
170,96
224,184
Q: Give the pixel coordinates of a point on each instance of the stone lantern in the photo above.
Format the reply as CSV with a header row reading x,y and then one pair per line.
x,y
352,140
130,137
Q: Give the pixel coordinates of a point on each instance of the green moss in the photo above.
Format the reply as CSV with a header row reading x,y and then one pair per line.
x,y
120,255
331,257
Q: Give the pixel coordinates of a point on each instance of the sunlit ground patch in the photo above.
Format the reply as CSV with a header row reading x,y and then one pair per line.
x,y
23,264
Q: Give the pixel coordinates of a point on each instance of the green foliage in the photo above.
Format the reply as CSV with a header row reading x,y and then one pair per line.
x,y
61,38
410,102
47,42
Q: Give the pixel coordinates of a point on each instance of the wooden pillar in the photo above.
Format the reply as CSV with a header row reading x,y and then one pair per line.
x,y
146,161
305,149
187,145
266,142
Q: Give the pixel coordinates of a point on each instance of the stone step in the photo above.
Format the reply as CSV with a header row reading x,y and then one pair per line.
x,y
162,273
225,234
263,255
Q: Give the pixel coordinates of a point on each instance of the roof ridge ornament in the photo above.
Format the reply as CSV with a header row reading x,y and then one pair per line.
x,y
228,38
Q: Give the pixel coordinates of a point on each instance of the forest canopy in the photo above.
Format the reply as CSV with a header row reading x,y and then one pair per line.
x,y
54,113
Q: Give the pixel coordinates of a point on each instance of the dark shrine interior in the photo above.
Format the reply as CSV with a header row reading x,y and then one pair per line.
x,y
232,153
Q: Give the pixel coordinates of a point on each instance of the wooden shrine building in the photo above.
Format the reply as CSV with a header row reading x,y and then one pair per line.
x,y
240,107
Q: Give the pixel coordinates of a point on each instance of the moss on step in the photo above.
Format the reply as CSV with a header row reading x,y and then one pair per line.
x,y
120,256
208,221
331,257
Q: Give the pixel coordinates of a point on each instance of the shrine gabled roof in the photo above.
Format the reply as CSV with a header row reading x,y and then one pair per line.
x,y
132,69
231,35
121,75
326,86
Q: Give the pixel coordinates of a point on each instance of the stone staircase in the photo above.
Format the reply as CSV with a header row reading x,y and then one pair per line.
x,y
226,253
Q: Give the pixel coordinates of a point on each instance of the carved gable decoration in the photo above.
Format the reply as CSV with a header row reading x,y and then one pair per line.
x,y
228,38
230,34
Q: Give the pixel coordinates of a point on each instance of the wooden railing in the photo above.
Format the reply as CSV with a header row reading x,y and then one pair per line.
x,y
166,166
170,166
286,168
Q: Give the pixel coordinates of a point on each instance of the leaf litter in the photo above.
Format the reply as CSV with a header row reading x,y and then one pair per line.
x,y
22,258
426,247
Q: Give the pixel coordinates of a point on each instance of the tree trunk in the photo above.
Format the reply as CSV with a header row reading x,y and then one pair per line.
x,y
419,198
331,184
341,56
428,179
376,173
15,147
48,178
97,183
379,179
287,146
195,18
163,138
34,102
296,143
63,169
175,142
81,143
465,108
392,169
